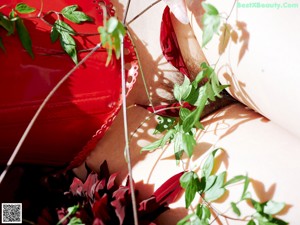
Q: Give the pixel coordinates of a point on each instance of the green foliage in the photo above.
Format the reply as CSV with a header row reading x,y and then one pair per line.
x,y
200,217
111,35
164,123
266,210
235,209
60,30
71,211
24,36
273,207
15,23
71,13
190,182
24,8
75,221
1,45
211,22
64,32
7,24
210,186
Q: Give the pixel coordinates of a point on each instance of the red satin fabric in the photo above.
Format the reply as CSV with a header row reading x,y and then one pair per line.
x,y
169,45
85,102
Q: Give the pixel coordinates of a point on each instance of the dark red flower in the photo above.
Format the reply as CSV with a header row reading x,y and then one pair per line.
x,y
111,203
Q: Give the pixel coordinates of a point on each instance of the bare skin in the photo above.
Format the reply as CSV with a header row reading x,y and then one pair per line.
x,y
253,143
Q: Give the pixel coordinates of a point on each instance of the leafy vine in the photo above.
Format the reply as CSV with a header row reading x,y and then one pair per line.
x,y
59,30
210,187
180,131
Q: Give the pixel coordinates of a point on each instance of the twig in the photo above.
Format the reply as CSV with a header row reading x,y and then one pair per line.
x,y
126,11
141,13
141,70
127,150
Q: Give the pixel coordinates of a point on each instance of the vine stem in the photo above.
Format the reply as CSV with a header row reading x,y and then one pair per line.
x,y
41,107
218,214
145,10
127,150
141,71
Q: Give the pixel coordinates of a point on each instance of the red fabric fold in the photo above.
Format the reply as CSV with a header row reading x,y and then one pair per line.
x,y
169,43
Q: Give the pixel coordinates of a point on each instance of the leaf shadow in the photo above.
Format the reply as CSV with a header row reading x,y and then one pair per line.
x,y
244,38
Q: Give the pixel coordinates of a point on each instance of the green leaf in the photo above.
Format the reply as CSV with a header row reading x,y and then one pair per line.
x,y
63,27
181,92
217,190
184,221
199,125
186,178
13,16
202,96
203,212
69,9
164,123
209,182
235,180
7,24
211,22
209,163
188,144
198,79
24,8
235,209
24,36
54,34
71,14
210,9
111,37
257,206
153,146
190,193
112,24
278,221
1,45
273,207
245,194
214,194
73,209
183,113
190,182
192,118
69,45
251,222
75,221
177,148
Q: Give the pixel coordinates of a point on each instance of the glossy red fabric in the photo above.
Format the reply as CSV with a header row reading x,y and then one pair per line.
x,y
169,44
88,100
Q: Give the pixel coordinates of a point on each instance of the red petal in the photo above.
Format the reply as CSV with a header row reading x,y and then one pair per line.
x,y
119,203
76,187
111,182
168,191
90,184
100,209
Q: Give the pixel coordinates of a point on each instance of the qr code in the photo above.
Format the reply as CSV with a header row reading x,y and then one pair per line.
x,y
11,213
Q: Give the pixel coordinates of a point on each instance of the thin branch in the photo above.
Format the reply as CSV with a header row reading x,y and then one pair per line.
x,y
30,125
126,11
127,150
141,13
142,71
